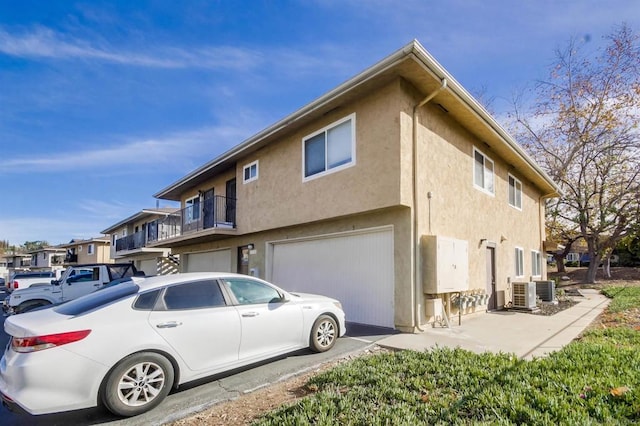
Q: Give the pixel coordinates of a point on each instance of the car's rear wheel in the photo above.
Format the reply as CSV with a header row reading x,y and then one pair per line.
x,y
137,384
31,305
323,334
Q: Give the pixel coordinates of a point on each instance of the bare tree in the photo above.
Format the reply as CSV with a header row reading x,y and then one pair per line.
x,y
583,129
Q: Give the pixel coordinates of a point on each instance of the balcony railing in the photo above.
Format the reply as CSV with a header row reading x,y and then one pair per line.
x,y
215,212
131,242
71,258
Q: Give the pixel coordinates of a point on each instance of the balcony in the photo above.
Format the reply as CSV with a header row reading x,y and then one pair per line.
x,y
214,216
71,258
131,242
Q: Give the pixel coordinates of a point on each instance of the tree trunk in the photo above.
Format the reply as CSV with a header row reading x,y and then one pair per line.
x,y
559,258
593,268
606,267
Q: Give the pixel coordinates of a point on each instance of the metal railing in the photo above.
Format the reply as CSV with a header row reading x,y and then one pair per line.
x,y
214,212
131,242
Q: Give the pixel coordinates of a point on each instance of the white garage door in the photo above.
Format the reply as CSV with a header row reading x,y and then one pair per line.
x,y
149,266
209,261
355,268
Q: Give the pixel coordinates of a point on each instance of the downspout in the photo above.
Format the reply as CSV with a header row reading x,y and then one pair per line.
x,y
416,271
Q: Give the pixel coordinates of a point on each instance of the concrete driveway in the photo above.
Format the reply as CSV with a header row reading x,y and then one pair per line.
x,y
199,395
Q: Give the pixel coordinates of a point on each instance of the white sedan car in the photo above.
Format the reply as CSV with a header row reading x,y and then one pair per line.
x,y
127,346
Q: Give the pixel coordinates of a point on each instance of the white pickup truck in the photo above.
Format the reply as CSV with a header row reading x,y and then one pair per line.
x,y
76,281
22,280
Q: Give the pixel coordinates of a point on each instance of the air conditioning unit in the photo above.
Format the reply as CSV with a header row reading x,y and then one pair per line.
x,y
546,290
524,295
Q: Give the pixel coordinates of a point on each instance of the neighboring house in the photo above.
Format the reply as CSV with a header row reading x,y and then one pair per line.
x,y
389,192
14,262
93,250
4,270
47,258
130,237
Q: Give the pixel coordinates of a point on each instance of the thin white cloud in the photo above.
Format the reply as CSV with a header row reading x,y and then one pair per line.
x,y
42,42
173,150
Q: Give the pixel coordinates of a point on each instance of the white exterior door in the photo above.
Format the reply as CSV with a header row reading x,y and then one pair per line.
x,y
355,268
209,261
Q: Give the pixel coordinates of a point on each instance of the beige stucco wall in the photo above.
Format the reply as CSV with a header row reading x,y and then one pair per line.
x,y
280,197
101,253
457,209
377,191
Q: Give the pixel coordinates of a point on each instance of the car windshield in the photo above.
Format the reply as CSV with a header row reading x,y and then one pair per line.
x,y
97,299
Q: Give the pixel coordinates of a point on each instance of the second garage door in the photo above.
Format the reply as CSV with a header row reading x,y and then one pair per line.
x,y
209,261
355,268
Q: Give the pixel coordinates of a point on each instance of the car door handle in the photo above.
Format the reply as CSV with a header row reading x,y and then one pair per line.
x,y
250,314
170,324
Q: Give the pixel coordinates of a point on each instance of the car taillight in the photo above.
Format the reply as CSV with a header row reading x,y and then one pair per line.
x,y
39,343
15,285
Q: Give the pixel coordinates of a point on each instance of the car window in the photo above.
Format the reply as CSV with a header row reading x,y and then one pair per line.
x,y
193,295
146,301
249,292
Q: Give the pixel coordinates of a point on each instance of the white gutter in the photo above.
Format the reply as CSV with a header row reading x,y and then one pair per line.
x,y
416,272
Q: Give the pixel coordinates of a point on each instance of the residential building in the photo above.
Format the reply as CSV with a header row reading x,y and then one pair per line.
x,y
130,237
391,192
47,258
92,250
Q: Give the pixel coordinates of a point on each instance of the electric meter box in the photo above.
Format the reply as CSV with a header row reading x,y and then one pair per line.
x,y
445,264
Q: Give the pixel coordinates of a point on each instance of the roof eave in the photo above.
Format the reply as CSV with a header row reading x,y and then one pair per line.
x,y
413,49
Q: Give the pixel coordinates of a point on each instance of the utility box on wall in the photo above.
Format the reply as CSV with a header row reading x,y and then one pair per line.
x,y
445,264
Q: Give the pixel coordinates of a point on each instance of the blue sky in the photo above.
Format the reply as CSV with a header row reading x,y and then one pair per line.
x,y
104,103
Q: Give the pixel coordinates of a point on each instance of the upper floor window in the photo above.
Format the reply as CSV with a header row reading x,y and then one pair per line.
x,y
536,263
515,192
90,248
483,172
519,262
329,149
250,172
192,209
79,248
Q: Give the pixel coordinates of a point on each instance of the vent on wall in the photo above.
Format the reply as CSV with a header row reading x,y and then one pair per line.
x,y
524,295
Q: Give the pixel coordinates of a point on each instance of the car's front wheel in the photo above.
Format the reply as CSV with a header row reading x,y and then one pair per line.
x,y
30,305
323,334
137,384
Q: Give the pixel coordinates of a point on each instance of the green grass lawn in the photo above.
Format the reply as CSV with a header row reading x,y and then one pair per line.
x,y
594,380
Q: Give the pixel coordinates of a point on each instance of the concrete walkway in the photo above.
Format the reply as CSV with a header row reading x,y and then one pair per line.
x,y
526,335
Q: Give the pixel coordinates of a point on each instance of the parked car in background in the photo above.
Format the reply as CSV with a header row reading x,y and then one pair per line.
x,y
76,281
128,345
22,280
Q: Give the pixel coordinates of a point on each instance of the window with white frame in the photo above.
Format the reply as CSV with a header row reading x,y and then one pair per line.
x,y
90,248
329,149
483,172
536,263
192,209
573,257
515,193
250,172
79,248
519,262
